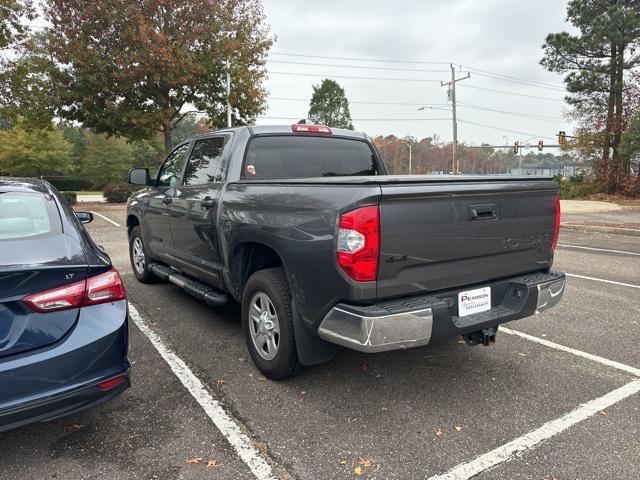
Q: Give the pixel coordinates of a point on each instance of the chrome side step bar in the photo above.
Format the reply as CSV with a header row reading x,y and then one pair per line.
x,y
199,290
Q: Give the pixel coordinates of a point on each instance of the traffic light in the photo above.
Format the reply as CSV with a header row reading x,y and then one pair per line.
x,y
540,145
516,147
562,138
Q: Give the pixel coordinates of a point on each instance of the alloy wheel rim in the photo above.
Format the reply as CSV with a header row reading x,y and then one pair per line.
x,y
264,326
138,255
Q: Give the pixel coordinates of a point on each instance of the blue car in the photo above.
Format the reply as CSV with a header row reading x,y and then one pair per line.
x,y
63,309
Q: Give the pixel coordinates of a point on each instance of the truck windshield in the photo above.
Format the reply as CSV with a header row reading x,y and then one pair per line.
x,y
297,156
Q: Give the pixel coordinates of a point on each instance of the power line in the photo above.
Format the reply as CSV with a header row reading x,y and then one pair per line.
x,y
356,78
500,129
380,60
513,93
410,104
365,67
487,73
480,72
268,117
517,114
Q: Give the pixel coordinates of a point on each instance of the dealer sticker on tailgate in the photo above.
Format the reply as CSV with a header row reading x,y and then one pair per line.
x,y
474,301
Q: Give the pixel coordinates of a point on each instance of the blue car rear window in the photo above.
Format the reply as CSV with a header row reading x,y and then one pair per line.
x,y
26,214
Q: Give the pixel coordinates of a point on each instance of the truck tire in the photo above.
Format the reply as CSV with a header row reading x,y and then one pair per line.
x,y
139,257
267,321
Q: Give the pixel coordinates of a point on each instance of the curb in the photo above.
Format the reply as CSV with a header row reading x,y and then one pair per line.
x,y
630,232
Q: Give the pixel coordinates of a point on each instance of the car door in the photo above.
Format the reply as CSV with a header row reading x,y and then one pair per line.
x,y
194,208
157,226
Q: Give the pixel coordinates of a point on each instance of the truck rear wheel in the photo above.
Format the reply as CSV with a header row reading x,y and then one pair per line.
x,y
139,258
267,321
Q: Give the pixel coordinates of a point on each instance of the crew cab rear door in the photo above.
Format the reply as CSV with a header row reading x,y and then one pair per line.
x,y
156,225
194,206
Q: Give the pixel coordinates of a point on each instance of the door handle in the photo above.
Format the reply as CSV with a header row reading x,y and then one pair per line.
x,y
483,212
167,200
207,203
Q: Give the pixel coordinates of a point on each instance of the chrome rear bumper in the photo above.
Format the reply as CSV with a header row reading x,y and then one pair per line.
x,y
407,323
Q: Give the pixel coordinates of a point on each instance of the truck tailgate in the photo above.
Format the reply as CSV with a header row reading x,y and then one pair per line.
x,y
440,235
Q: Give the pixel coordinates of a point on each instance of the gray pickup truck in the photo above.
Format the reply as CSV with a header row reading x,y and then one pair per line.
x,y
303,226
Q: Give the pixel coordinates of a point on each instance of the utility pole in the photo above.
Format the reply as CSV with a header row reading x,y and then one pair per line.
x,y
409,145
454,144
228,93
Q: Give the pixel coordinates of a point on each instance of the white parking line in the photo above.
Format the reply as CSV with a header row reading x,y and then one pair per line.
x,y
106,218
623,252
242,444
602,280
579,353
517,447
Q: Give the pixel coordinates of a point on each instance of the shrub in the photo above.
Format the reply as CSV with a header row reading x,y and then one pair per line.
x,y
71,197
67,183
118,192
578,187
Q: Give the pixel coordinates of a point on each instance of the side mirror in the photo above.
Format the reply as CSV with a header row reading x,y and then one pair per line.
x,y
85,217
139,176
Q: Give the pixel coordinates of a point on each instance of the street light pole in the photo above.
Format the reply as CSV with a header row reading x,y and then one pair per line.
x,y
228,93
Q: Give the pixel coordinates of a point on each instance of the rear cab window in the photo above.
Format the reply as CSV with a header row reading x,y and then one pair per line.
x,y
300,156
28,215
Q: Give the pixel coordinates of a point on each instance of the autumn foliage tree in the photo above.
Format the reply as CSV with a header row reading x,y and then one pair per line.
x,y
132,67
596,61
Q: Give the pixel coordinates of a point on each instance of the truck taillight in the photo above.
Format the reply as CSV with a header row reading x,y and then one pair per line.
x,y
556,226
106,287
359,243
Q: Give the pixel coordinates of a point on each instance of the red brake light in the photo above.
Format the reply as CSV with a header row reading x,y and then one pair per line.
x,y
359,243
556,227
106,287
302,127
61,298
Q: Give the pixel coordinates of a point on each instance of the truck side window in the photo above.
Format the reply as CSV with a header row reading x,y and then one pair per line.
x,y
170,170
205,164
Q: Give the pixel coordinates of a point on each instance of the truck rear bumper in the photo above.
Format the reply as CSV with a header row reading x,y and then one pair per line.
x,y
415,321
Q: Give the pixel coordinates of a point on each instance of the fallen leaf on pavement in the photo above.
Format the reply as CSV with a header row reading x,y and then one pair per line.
x,y
242,359
262,379
250,374
384,407
72,426
195,460
342,462
458,428
521,354
603,413
358,470
364,462
214,464
438,432
220,382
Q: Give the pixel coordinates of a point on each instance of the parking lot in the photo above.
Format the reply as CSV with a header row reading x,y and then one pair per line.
x,y
555,398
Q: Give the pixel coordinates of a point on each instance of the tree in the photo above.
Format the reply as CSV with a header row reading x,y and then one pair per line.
x,y
129,68
12,27
106,159
29,153
595,62
329,105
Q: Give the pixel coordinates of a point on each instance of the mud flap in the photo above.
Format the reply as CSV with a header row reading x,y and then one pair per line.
x,y
311,348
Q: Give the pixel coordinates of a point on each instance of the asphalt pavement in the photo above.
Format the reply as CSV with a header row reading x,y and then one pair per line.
x,y
530,407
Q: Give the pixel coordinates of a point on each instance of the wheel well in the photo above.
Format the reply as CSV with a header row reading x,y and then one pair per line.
x,y
132,221
248,258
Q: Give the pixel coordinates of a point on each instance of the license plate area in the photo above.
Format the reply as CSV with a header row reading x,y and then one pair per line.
x,y
474,301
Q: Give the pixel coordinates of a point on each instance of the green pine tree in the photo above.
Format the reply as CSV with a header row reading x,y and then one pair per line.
x,y
329,105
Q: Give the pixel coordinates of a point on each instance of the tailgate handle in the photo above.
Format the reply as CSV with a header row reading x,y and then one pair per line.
x,y
483,212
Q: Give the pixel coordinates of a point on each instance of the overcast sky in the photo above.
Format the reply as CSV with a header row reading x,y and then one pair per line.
x,y
502,37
